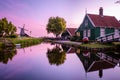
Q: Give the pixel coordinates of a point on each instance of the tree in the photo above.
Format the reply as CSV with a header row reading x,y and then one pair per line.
x,y
7,54
11,29
3,26
56,25
6,28
56,56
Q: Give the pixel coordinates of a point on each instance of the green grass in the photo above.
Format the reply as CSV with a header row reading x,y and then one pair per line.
x,y
25,42
116,43
1,46
96,45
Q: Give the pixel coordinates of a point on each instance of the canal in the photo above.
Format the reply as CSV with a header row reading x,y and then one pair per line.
x,y
55,62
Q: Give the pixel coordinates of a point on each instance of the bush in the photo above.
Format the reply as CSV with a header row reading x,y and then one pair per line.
x,y
73,38
13,36
76,38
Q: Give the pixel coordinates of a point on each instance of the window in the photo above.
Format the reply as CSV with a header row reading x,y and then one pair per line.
x,y
86,23
78,33
102,32
89,33
84,33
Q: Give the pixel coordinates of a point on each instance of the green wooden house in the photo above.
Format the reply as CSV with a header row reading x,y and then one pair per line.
x,y
94,26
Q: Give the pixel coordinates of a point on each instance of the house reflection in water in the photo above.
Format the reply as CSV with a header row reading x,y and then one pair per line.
x,y
68,49
97,61
94,61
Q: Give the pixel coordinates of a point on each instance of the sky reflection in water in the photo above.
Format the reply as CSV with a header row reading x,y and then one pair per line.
x,y
33,63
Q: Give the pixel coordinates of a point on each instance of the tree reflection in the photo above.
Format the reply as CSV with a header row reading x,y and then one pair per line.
x,y
56,56
7,54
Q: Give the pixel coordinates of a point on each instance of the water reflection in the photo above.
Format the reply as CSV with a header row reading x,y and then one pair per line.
x,y
56,55
98,61
7,54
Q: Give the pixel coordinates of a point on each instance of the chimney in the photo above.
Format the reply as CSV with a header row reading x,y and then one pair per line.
x,y
101,11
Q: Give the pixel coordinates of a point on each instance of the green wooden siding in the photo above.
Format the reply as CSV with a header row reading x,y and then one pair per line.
x,y
81,35
109,30
88,27
92,37
97,32
94,31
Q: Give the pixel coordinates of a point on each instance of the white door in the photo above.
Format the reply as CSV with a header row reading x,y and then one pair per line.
x,y
102,32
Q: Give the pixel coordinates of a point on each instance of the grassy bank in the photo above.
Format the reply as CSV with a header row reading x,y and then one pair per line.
x,y
87,45
25,42
97,45
1,44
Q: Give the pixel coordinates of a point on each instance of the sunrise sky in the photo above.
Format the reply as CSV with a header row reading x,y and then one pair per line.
x,y
35,13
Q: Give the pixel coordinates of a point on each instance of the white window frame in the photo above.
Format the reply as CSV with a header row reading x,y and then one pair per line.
x,y
86,23
89,33
102,32
84,33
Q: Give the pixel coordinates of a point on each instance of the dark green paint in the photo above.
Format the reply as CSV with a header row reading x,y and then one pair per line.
x,y
109,30
94,31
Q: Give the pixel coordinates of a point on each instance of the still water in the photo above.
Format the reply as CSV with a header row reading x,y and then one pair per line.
x,y
56,62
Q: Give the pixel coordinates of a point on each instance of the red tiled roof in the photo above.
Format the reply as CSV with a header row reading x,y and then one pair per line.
x,y
71,31
104,21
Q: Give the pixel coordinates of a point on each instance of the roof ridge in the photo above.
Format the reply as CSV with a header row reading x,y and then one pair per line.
x,y
99,15
105,20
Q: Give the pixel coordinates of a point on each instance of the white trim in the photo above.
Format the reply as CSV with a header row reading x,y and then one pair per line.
x,y
81,23
102,32
91,66
116,31
77,29
69,32
68,50
91,20
84,33
89,33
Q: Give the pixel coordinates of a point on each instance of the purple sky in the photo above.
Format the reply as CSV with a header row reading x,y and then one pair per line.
x,y
35,13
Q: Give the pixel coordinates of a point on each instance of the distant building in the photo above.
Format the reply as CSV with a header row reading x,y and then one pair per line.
x,y
94,26
68,33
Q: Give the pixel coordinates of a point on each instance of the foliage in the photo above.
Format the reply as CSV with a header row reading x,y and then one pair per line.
x,y
56,56
75,38
13,36
7,54
56,25
26,41
6,28
1,45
